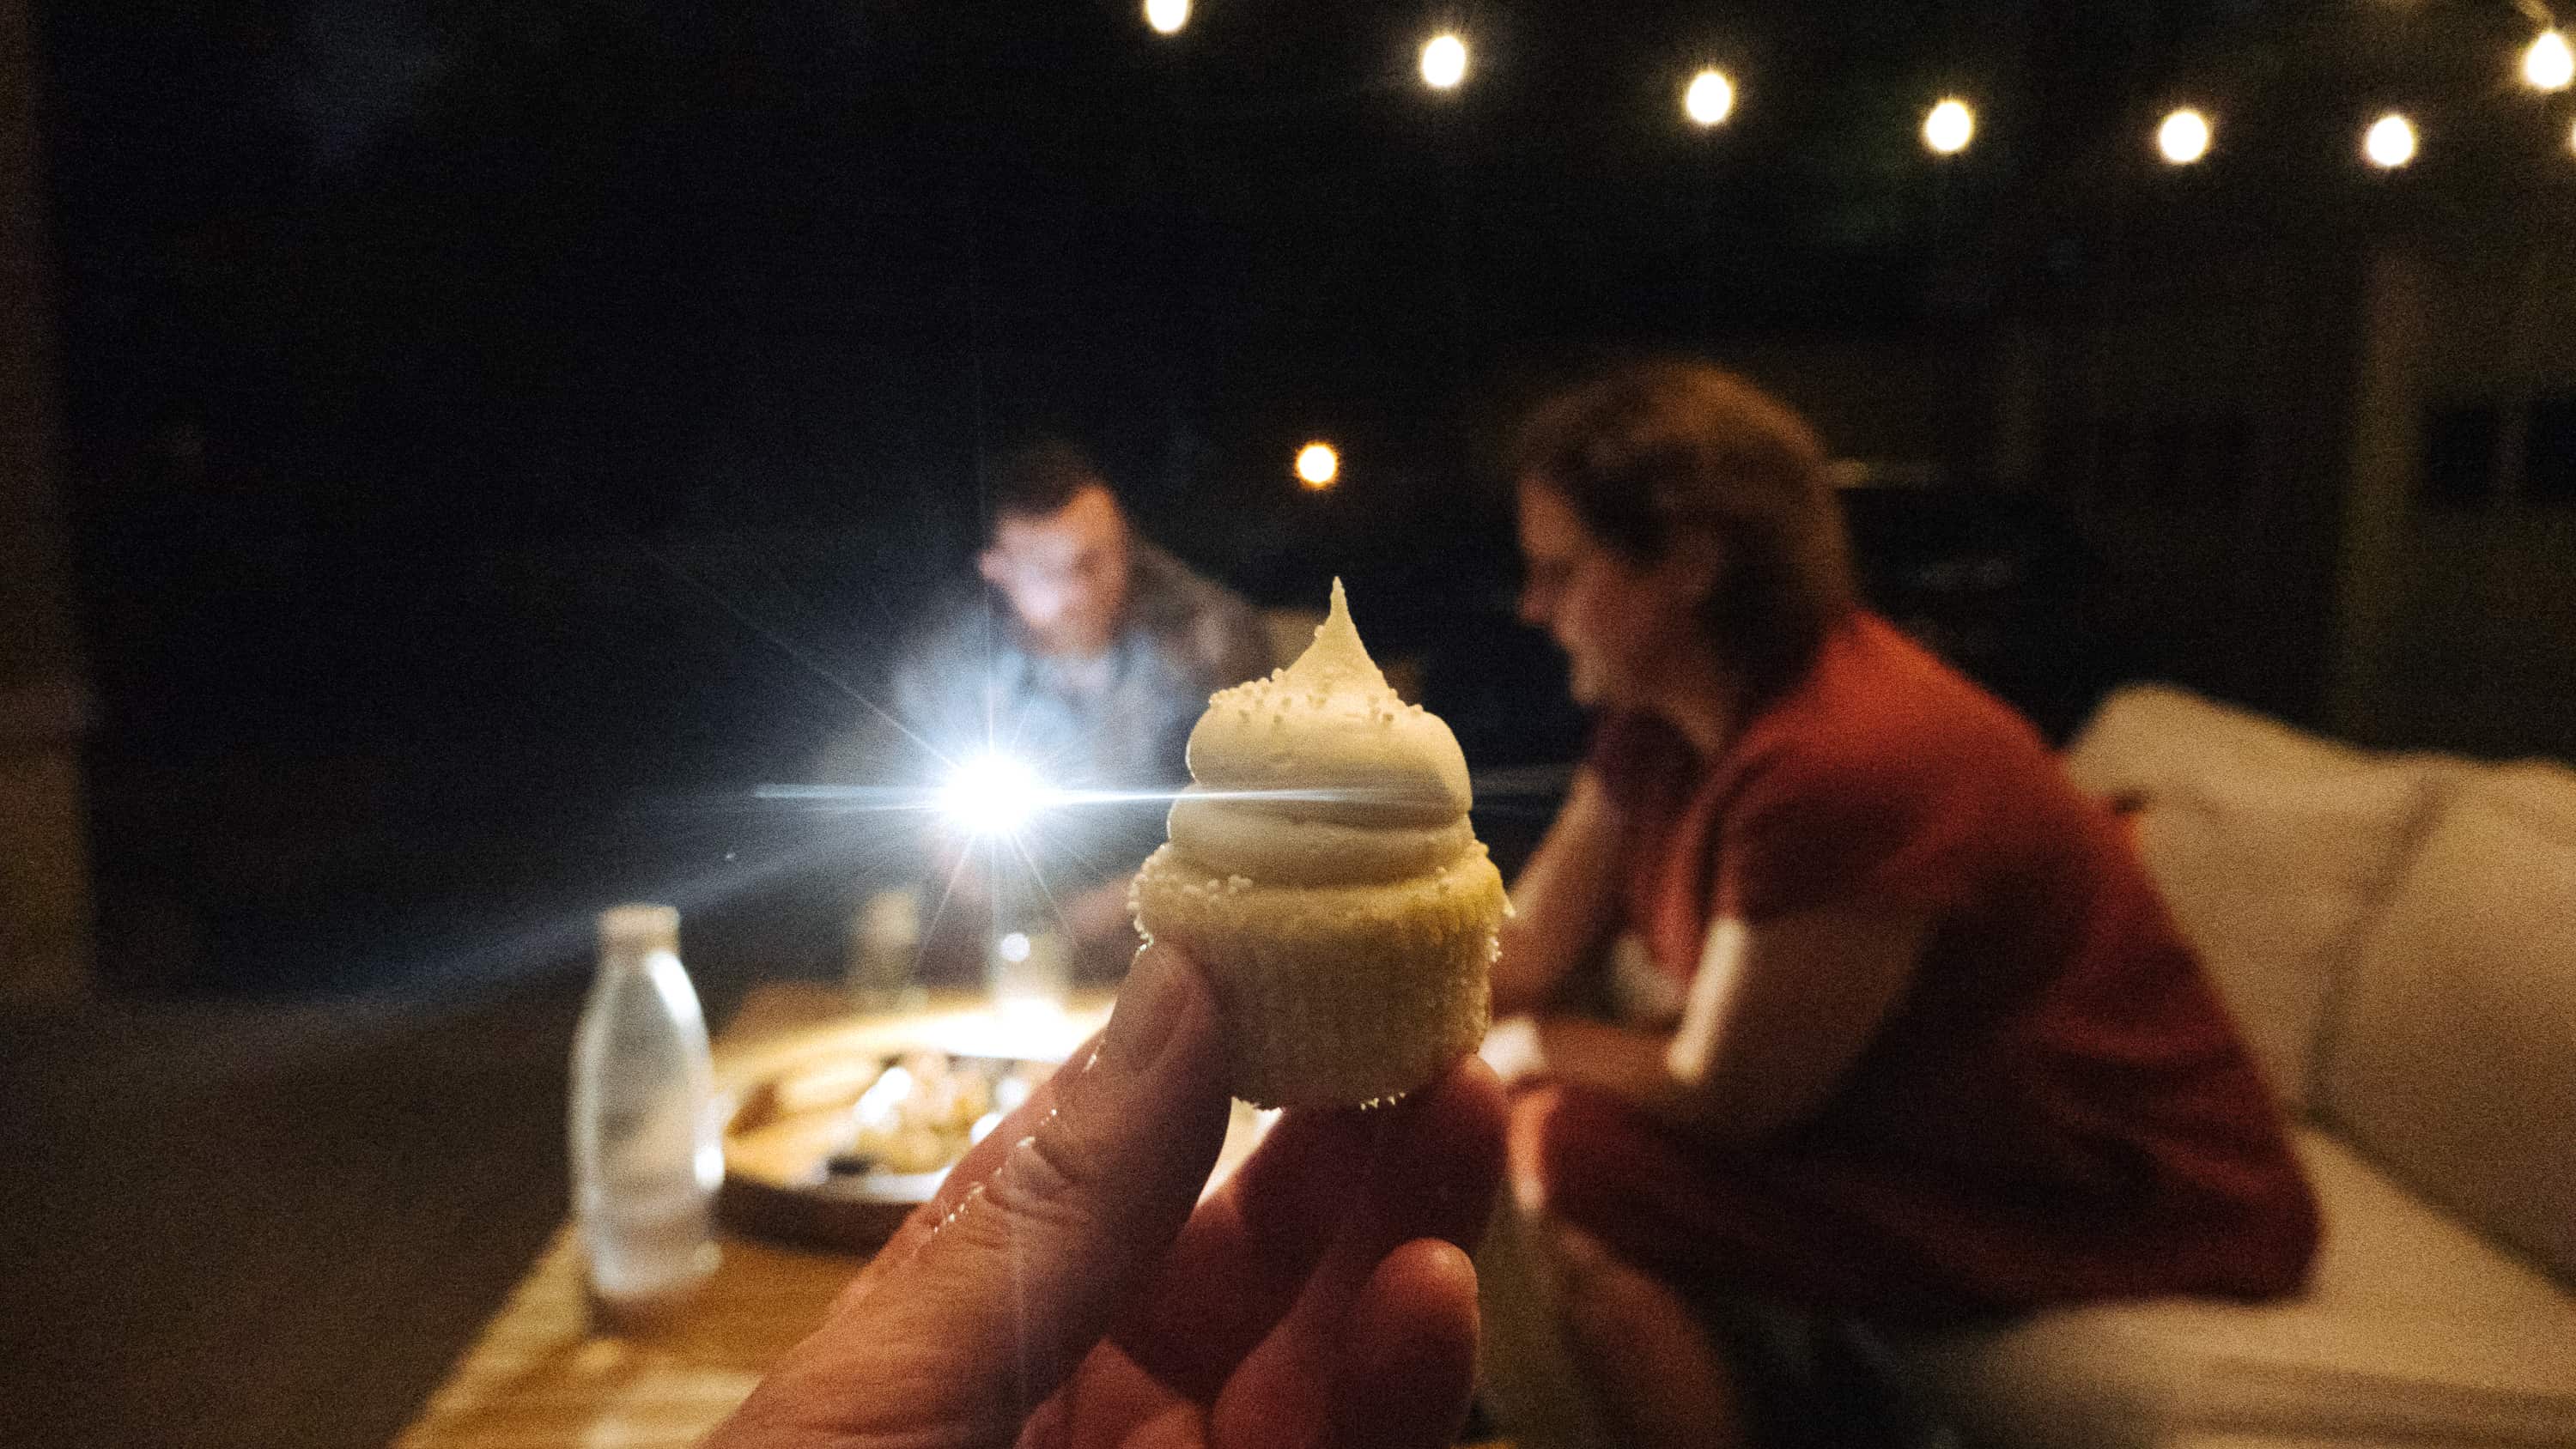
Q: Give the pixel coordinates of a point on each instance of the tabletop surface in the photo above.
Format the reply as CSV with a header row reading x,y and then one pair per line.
x,y
541,1374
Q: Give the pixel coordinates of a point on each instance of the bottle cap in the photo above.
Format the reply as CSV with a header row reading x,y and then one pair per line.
x,y
640,927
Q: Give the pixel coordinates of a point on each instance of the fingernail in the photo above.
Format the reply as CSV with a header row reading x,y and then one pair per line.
x,y
1150,1008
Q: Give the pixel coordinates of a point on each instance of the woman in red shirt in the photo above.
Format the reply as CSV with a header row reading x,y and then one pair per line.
x,y
1906,1036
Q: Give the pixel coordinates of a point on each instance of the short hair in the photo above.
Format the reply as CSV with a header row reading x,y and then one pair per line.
x,y
1038,478
1657,446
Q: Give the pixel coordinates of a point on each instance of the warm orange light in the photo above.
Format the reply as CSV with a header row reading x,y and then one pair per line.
x,y
2390,141
1949,127
1710,99
2548,65
1318,466
2183,138
1444,61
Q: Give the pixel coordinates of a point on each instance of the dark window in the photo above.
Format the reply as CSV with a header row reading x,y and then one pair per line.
x,y
2549,450
2459,456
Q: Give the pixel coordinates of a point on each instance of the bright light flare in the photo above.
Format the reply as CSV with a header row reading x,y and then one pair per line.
x,y
2390,141
1318,466
2547,63
1444,61
1710,99
2183,138
1949,126
1167,16
992,795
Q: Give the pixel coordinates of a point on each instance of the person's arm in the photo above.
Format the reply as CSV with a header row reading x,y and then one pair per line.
x,y
1562,902
1778,1013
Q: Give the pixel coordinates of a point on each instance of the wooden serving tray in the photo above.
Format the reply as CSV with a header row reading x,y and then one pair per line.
x,y
792,1105
792,1096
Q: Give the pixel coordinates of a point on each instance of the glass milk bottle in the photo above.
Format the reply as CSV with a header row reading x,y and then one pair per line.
x,y
647,1146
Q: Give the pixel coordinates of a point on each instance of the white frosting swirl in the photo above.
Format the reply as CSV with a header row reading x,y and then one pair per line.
x,y
1320,775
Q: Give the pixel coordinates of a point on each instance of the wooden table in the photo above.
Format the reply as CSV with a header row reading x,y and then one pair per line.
x,y
540,1376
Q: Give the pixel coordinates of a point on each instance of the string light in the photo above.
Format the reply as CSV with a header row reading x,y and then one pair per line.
x,y
1949,126
1318,465
2184,137
1444,61
2548,64
2390,141
1710,99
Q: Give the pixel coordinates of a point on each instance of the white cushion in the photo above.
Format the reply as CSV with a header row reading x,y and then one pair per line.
x,y
2271,876
2450,1054
2413,1331
2145,739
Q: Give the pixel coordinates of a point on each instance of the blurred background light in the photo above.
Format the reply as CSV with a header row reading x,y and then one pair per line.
x,y
1711,97
2184,137
2547,63
2390,141
1167,16
1949,126
1318,466
992,794
1444,61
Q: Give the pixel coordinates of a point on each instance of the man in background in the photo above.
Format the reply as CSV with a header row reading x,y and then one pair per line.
x,y
1088,653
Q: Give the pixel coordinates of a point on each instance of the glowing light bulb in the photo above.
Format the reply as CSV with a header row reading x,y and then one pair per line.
x,y
2390,141
1318,465
1710,99
2547,63
1013,948
1167,16
1444,61
2183,138
992,795
1949,127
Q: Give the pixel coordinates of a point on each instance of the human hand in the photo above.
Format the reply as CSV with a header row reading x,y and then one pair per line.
x,y
1067,1287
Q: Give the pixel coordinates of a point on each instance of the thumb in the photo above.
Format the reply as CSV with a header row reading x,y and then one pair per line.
x,y
1042,1251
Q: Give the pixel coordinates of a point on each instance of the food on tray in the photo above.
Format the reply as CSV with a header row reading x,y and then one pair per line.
x,y
924,1111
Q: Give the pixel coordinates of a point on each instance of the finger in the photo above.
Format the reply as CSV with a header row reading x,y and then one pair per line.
x,y
1433,1174
1110,1397
968,1175
1002,1296
1408,1358
1272,1223
964,1178
1260,1234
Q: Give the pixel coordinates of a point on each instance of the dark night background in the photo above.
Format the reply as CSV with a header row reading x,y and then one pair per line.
x,y
490,438
497,436
499,431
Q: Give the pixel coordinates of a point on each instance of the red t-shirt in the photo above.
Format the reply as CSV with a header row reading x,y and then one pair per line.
x,y
2057,1109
